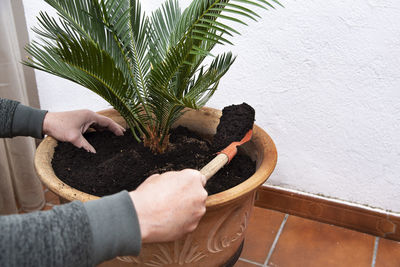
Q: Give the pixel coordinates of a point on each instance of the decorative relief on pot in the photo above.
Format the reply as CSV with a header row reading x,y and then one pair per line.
x,y
129,259
180,252
185,252
229,228
218,239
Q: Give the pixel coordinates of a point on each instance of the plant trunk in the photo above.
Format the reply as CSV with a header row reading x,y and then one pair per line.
x,y
154,143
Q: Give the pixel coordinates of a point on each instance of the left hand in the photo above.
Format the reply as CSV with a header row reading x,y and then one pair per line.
x,y
70,125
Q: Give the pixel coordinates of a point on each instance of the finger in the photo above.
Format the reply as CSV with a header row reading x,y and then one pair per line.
x,y
193,226
196,174
153,176
81,142
204,196
109,124
203,180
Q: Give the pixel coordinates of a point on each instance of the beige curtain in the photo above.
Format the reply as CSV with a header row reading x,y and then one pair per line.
x,y
18,182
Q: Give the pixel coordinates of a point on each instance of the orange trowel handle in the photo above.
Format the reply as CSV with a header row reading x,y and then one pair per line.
x,y
224,157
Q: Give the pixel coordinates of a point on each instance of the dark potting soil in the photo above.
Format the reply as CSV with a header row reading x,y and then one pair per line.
x,y
121,163
235,122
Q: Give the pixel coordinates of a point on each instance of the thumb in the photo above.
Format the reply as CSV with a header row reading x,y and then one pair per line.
x,y
82,142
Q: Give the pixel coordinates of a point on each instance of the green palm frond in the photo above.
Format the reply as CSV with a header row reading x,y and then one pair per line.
x,y
149,68
162,26
199,26
204,85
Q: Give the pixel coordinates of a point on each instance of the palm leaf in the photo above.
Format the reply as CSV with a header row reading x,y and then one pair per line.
x,y
162,26
148,68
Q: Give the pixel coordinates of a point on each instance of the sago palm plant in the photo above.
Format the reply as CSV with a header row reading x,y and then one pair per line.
x,y
149,68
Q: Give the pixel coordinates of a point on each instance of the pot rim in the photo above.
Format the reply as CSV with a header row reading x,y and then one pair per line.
x,y
44,169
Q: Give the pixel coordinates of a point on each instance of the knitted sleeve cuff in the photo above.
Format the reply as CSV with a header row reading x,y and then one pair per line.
x,y
115,226
28,121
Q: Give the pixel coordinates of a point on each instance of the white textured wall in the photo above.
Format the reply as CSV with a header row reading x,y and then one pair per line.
x,y
324,78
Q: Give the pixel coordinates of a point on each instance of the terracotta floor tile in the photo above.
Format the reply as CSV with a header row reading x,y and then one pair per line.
x,y
261,233
312,244
240,263
388,253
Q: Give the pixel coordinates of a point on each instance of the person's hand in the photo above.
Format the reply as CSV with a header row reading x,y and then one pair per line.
x,y
170,205
70,125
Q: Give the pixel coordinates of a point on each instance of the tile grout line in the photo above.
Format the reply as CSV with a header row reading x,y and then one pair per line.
x,y
376,245
271,250
249,261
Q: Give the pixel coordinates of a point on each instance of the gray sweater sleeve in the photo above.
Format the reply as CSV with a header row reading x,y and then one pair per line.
x,y
74,234
58,237
19,120
115,227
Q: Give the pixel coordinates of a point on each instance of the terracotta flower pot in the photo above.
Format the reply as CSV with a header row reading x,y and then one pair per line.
x,y
220,233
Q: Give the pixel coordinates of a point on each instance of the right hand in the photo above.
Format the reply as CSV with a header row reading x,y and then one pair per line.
x,y
170,205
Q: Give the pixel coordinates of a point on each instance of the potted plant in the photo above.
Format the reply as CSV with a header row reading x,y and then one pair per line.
x,y
150,69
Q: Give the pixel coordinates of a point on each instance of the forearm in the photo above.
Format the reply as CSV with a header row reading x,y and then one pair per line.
x,y
19,120
115,227
59,237
99,230
73,234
